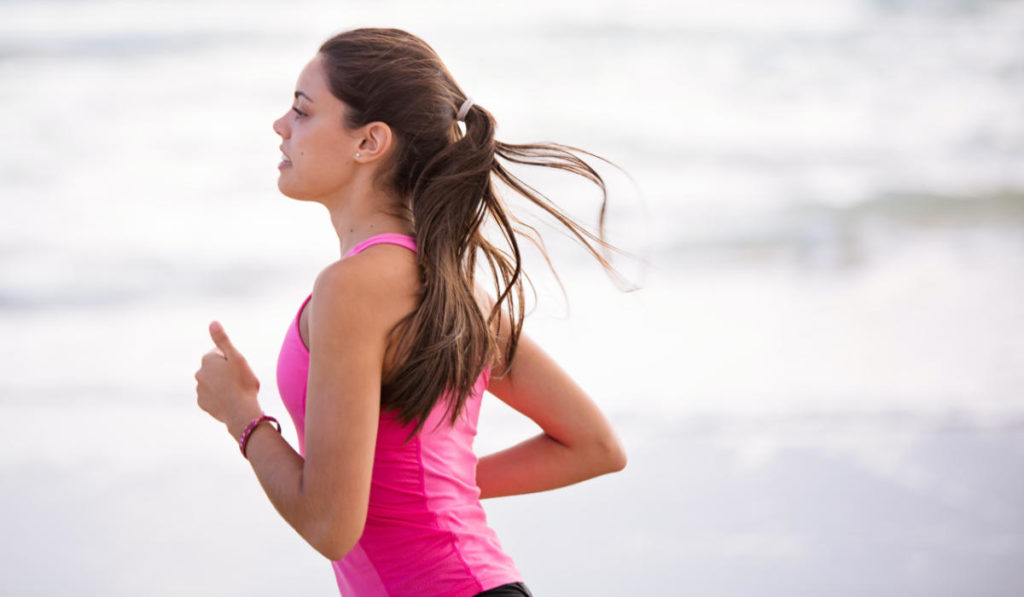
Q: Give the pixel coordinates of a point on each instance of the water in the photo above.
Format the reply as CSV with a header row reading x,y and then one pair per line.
x,y
829,196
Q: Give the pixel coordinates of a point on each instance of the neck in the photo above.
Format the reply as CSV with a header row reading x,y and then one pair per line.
x,y
359,216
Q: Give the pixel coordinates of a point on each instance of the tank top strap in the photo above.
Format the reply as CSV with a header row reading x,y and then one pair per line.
x,y
390,238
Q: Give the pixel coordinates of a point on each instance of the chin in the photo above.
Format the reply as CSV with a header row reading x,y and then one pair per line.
x,y
293,193
289,190
285,190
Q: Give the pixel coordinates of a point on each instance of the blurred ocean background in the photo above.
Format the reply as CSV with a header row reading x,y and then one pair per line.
x,y
820,383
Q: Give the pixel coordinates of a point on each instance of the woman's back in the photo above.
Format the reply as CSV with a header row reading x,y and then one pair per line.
x,y
425,527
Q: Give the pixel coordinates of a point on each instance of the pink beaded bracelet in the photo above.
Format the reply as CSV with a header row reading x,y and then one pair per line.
x,y
244,440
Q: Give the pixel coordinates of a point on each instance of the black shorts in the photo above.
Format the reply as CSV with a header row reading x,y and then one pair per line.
x,y
512,589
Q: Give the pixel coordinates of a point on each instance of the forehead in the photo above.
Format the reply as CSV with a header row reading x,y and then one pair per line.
x,y
312,80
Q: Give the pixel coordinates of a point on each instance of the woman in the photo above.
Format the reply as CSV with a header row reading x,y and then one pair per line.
x,y
386,362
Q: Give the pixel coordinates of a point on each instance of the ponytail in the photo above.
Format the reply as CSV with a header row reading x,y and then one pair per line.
x,y
446,181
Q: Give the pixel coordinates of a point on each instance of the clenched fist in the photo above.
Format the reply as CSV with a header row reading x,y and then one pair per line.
x,y
225,385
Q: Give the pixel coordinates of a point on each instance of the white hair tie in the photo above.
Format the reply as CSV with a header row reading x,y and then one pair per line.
x,y
464,109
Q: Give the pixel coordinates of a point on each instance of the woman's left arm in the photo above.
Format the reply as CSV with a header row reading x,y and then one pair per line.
x,y
325,496
577,442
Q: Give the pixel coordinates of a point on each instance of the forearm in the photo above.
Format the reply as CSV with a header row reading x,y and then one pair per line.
x,y
325,503
278,469
541,463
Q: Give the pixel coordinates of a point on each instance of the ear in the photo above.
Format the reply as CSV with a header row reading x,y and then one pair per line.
x,y
375,142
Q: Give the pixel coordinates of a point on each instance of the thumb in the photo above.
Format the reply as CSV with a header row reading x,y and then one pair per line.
x,y
220,338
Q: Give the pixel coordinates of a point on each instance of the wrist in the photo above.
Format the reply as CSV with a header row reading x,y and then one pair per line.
x,y
250,428
237,424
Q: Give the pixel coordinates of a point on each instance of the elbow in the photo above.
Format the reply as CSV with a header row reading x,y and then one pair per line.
x,y
336,550
610,455
335,542
617,458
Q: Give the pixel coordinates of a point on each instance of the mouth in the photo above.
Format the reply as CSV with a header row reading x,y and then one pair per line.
x,y
285,160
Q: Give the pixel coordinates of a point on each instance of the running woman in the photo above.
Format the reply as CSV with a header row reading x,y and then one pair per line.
x,y
386,362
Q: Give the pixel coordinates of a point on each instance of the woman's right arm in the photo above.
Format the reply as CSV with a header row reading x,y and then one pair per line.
x,y
325,495
577,443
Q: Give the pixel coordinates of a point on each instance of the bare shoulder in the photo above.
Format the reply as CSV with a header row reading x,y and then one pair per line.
x,y
502,324
381,284
483,298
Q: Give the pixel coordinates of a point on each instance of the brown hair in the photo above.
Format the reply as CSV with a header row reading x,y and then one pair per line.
x,y
442,179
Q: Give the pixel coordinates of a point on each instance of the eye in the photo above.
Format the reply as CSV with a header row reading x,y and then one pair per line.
x,y
298,112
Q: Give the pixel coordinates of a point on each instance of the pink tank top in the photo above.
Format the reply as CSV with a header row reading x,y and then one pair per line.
x,y
426,532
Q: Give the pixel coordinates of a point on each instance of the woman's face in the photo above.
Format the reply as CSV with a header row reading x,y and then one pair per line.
x,y
318,151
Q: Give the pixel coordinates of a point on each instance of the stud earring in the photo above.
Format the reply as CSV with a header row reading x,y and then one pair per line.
x,y
357,154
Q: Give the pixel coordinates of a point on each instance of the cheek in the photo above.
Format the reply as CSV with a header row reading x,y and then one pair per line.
x,y
318,165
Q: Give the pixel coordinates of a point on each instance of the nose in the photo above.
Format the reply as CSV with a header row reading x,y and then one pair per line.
x,y
281,126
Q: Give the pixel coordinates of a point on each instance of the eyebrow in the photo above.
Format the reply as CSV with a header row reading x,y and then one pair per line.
x,y
299,93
